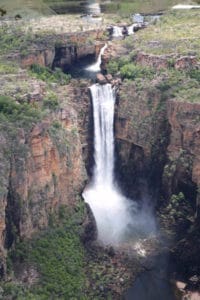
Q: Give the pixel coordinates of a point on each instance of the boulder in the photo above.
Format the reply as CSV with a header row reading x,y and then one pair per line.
x,y
109,77
101,79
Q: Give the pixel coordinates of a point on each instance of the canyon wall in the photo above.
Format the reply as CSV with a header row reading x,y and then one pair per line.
x,y
62,50
158,139
41,171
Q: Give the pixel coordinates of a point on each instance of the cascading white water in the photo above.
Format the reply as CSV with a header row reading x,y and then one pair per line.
x,y
109,207
96,66
131,28
103,111
93,8
117,31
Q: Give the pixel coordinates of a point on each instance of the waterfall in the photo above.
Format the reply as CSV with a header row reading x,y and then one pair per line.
x,y
103,111
109,207
131,28
96,66
117,31
93,8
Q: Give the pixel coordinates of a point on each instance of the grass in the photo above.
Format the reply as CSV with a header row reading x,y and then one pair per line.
x,y
175,33
7,68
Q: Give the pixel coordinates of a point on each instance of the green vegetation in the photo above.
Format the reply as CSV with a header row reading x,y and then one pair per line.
x,y
180,84
61,267
47,75
51,101
22,114
175,33
57,255
125,8
128,69
7,68
176,214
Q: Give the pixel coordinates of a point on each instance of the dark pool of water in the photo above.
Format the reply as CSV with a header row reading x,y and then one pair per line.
x,y
153,284
79,69
149,286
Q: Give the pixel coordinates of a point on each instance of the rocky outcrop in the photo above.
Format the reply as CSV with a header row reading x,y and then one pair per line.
x,y
43,172
182,171
43,57
158,138
157,62
141,132
62,50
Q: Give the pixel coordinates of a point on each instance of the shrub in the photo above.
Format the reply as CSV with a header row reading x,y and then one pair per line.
x,y
58,255
22,114
195,74
51,102
131,71
112,67
48,75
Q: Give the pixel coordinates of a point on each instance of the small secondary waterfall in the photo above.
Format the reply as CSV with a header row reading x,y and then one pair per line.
x,y
93,8
117,31
131,28
109,207
96,66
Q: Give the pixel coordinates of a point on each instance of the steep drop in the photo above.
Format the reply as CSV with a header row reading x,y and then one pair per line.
x,y
110,208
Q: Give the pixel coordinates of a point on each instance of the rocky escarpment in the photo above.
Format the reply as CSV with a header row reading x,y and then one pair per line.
x,y
182,169
41,171
142,134
155,130
62,50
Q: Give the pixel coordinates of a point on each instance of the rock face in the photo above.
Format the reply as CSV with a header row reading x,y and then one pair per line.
x,y
158,138
44,172
141,132
183,168
63,50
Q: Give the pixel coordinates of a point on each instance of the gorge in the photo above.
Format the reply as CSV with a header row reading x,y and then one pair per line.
x,y
129,142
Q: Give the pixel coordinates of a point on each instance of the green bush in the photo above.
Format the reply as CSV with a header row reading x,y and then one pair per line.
x,y
51,102
195,74
131,71
112,67
58,255
22,114
49,76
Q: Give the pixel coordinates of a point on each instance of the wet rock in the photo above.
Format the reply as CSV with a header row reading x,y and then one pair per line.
x,y
111,251
101,79
109,77
194,283
90,229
